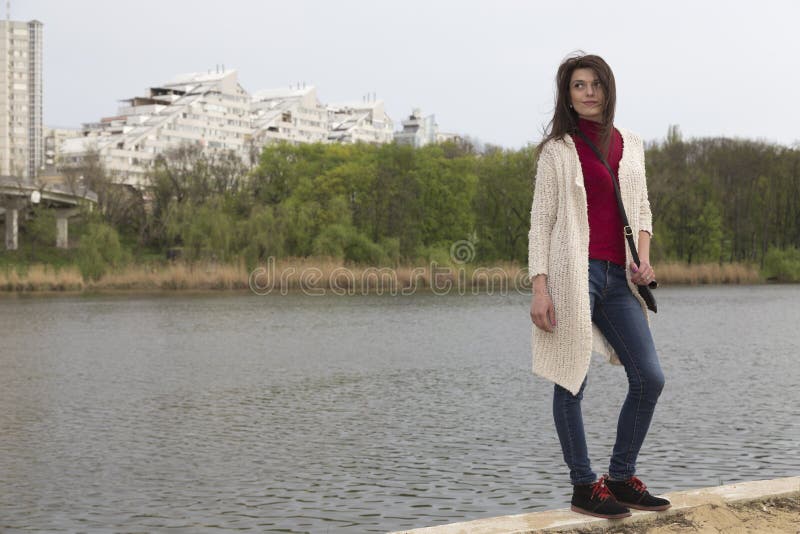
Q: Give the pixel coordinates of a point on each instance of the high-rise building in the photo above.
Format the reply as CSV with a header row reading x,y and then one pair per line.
x,y
21,139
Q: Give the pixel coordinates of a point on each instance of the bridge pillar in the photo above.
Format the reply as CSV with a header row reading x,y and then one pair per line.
x,y
62,237
12,229
62,226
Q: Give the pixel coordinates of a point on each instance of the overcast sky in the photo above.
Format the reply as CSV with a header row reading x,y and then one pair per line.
x,y
484,68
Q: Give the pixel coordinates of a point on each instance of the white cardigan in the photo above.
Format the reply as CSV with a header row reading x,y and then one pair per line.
x,y
558,246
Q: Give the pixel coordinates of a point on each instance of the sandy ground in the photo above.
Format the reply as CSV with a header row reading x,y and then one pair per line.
x,y
780,515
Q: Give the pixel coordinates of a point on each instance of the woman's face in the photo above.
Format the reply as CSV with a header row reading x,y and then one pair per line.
x,y
586,94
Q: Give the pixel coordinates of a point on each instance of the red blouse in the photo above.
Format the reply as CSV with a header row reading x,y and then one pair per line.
x,y
606,238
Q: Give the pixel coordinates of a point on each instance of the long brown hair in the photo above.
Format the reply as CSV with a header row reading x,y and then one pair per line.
x,y
565,119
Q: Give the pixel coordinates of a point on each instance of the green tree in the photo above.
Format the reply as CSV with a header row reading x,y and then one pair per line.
x,y
261,235
502,203
205,231
782,265
40,229
99,249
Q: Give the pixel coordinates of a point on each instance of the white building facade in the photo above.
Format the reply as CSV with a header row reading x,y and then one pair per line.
x,y
366,122
208,109
418,130
294,115
21,125
54,139
213,110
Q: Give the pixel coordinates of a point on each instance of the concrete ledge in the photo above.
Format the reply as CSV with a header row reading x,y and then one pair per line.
x,y
564,519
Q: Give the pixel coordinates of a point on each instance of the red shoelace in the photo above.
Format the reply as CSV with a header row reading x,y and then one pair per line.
x,y
637,484
600,490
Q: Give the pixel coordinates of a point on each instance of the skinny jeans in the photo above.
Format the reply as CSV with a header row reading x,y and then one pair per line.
x,y
619,317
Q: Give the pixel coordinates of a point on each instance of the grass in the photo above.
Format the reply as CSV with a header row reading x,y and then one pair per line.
x,y
707,273
39,277
321,273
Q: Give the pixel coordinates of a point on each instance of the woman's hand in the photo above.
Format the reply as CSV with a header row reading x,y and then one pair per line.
x,y
543,314
642,275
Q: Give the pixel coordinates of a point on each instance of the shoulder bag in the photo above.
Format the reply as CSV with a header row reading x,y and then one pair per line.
x,y
644,291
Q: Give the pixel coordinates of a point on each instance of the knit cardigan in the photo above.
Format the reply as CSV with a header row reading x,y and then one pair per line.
x,y
558,246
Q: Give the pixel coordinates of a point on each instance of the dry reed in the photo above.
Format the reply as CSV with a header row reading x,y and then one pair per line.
x,y
323,273
707,273
42,278
174,276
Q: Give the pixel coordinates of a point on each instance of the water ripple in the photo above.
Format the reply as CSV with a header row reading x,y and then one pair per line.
x,y
364,414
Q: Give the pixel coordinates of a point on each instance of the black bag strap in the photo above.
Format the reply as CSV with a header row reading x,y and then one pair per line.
x,y
626,225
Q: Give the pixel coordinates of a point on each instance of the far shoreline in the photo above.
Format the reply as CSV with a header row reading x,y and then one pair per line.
x,y
325,275
223,293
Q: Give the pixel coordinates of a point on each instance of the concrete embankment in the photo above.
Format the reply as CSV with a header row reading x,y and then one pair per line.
x,y
759,506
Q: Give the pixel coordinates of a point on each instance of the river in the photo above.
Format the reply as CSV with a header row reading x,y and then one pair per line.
x,y
297,413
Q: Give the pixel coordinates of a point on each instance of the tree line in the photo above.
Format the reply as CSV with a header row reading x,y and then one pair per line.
x,y
723,200
713,200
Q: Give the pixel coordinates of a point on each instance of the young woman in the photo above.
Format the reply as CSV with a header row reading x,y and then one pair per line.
x,y
584,281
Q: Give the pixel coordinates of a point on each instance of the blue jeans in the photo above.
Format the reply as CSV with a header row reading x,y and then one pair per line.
x,y
619,316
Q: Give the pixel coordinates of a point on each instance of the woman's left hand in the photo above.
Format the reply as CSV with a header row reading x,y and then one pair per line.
x,y
643,274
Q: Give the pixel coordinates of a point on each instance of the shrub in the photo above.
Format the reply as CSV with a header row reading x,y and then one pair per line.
x,y
782,265
361,249
205,231
261,235
331,241
344,241
98,250
391,247
438,253
41,228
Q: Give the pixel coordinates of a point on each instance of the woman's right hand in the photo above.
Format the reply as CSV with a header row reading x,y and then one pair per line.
x,y
543,313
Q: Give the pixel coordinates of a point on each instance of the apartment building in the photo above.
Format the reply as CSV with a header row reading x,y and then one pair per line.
x,y
213,110
418,130
297,116
209,109
53,141
293,114
353,122
21,134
